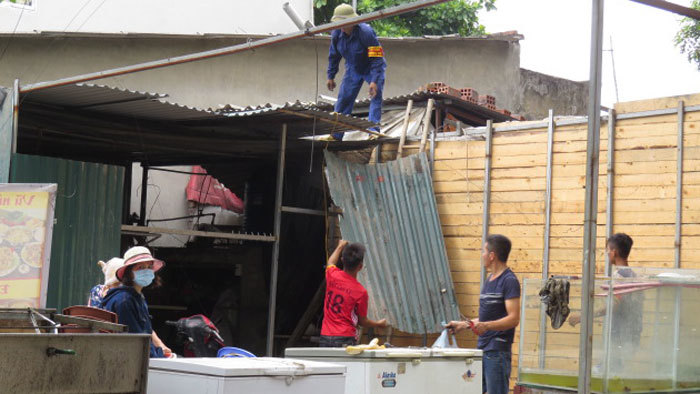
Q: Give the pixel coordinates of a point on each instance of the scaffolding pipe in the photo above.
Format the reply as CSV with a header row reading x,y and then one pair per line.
x,y
547,227
611,186
401,9
591,204
276,245
487,194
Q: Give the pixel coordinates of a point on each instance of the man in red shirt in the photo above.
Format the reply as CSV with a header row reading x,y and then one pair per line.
x,y
346,299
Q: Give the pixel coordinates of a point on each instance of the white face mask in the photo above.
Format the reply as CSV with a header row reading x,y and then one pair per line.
x,y
144,277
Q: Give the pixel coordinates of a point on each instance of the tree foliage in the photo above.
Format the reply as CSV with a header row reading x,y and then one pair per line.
x,y
459,16
688,38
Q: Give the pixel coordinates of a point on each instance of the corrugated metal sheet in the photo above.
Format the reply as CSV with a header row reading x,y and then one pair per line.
x,y
294,110
117,101
88,220
391,209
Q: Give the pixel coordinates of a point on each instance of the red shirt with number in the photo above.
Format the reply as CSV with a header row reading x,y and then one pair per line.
x,y
346,300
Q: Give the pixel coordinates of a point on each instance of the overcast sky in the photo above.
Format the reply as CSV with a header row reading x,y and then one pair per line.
x,y
557,42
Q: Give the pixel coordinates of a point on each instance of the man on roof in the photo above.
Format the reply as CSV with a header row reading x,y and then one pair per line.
x,y
364,62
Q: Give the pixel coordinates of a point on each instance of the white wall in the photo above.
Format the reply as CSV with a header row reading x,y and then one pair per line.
x,y
152,16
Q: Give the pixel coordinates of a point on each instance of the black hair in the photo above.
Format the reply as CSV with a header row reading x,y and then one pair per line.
x,y
622,243
128,278
500,245
352,256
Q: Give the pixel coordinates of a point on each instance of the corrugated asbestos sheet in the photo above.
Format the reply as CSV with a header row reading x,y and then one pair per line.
x,y
88,220
391,209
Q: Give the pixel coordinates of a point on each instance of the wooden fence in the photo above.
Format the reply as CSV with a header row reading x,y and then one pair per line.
x,y
644,194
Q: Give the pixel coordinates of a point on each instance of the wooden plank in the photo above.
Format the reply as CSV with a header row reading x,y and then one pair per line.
x,y
655,104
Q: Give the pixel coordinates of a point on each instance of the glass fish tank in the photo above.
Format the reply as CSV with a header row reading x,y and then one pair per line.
x,y
646,332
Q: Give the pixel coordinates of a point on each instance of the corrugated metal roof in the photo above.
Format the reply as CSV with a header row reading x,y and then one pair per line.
x,y
290,110
102,123
482,113
87,221
391,209
117,101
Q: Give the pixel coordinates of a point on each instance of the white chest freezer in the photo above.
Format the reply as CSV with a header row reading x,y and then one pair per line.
x,y
403,370
244,375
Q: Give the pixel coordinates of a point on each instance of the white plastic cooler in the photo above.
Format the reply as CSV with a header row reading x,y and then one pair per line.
x,y
403,370
244,375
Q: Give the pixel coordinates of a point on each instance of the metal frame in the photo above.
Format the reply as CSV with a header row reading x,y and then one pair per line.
x,y
591,204
487,194
276,245
402,9
611,185
547,227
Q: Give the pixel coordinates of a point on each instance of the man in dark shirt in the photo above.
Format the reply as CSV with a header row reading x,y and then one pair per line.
x,y
499,314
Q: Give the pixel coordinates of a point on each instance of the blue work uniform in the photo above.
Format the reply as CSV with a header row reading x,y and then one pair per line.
x,y
132,311
364,62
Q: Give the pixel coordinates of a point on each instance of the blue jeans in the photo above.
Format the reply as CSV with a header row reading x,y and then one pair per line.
x,y
349,89
496,374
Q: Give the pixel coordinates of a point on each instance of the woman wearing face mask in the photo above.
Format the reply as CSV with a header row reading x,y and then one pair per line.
x,y
128,302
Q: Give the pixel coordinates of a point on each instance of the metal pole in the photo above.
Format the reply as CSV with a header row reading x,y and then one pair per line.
x,y
672,7
487,193
380,14
15,116
591,205
611,186
677,242
679,187
276,245
144,195
547,227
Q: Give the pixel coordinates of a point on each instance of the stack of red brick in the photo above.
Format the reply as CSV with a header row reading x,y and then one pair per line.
x,y
469,95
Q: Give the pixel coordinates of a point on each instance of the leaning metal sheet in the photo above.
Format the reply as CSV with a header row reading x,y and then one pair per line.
x,y
391,209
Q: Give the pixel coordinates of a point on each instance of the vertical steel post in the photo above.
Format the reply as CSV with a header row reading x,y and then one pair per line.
x,y
591,204
144,194
15,116
276,245
677,241
487,192
611,186
547,227
679,187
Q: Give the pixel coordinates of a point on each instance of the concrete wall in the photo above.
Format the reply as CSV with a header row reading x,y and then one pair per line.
x,y
279,73
540,92
152,16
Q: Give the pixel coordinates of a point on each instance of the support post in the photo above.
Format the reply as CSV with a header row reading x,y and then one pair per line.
x,y
677,242
487,193
611,186
591,201
15,116
426,124
144,195
679,187
276,245
404,129
547,227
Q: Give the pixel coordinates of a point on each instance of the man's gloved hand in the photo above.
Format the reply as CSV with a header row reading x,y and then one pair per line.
x,y
330,84
372,89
